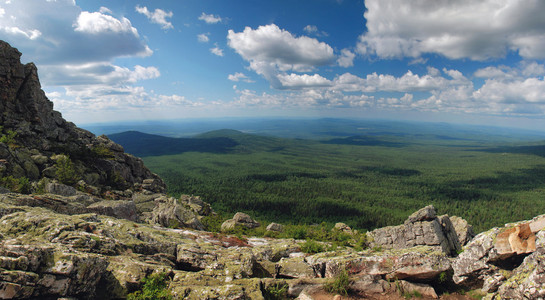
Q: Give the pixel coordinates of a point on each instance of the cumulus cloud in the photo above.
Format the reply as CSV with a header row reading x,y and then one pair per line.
x,y
346,59
271,51
158,16
210,19
239,77
313,30
203,37
216,50
97,73
294,81
75,36
475,29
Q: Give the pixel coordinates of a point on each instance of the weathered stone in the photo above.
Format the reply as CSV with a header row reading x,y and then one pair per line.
x,y
422,289
526,281
196,205
294,268
275,227
119,209
424,214
239,219
169,213
343,227
60,189
463,230
369,284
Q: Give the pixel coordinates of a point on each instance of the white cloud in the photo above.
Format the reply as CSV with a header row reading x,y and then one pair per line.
x,y
96,23
295,81
217,51
271,50
158,16
105,10
52,32
203,37
313,30
409,82
239,77
475,29
29,34
346,59
273,45
493,72
210,19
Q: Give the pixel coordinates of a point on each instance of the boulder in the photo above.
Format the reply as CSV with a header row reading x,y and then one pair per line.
x,y
343,227
275,227
410,288
169,213
239,219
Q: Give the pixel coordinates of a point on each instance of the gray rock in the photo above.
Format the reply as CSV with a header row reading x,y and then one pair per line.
x,y
424,214
169,213
463,230
424,290
343,227
435,232
60,189
119,209
239,219
275,227
197,205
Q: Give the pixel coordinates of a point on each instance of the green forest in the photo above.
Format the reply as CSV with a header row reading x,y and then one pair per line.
x,y
365,181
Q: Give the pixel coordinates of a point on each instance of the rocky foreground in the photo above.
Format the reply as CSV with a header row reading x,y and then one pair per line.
x,y
81,219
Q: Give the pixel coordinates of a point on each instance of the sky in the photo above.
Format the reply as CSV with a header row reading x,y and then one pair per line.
x,y
461,61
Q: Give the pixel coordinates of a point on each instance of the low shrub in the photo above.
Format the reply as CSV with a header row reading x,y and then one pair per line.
x,y
155,286
339,284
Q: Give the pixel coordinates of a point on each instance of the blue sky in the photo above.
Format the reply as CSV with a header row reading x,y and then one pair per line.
x,y
464,61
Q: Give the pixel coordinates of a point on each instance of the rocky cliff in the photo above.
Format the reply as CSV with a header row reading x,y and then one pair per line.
x,y
93,223
38,143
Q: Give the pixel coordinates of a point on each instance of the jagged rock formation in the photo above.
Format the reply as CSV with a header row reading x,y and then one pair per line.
x,y
34,135
421,228
498,260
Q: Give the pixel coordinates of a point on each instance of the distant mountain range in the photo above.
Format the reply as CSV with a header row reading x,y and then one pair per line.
x,y
143,144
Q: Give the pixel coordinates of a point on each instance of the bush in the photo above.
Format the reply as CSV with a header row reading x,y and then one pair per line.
x,y
154,287
103,152
311,246
7,137
66,173
277,291
17,185
339,285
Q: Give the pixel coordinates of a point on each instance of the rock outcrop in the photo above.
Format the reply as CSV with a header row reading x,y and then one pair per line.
x,y
34,135
493,258
421,228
